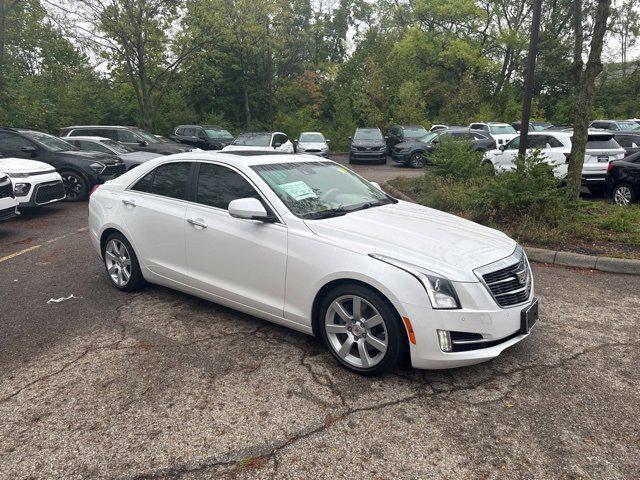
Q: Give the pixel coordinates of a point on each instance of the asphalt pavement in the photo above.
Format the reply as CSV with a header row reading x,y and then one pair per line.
x,y
159,384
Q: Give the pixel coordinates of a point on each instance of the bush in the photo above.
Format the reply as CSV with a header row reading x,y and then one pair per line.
x,y
457,161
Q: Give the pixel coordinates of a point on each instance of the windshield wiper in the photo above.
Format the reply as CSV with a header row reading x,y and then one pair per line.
x,y
376,203
332,212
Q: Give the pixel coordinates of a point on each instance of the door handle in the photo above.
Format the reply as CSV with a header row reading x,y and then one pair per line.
x,y
196,223
129,203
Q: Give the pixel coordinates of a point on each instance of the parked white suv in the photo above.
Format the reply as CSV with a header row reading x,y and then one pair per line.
x,y
555,147
8,202
500,132
306,243
261,141
34,183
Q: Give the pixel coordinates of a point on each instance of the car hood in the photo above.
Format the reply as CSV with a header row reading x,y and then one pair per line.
x,y
368,143
167,148
312,145
105,158
443,243
139,156
21,165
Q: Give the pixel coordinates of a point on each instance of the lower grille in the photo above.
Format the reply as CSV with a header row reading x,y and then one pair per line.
x,y
48,192
465,342
508,280
6,189
7,213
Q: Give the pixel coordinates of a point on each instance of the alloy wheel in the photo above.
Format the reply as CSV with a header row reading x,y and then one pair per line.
x,y
118,262
417,160
72,186
356,331
622,195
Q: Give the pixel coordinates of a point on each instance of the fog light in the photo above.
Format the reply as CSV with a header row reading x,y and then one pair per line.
x,y
21,189
445,340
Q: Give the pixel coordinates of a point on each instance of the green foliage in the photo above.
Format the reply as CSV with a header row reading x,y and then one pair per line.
x,y
457,161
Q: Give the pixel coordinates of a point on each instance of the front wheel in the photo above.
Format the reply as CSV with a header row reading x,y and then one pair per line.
x,y
75,186
623,194
361,330
417,160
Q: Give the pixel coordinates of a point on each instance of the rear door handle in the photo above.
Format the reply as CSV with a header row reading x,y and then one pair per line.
x,y
129,203
196,223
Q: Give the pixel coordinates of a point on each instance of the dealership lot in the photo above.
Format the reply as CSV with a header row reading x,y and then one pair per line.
x,y
163,385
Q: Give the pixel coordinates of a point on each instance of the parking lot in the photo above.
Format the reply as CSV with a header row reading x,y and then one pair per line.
x,y
100,384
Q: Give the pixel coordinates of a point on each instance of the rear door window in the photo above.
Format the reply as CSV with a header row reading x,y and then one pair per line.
x,y
189,132
168,180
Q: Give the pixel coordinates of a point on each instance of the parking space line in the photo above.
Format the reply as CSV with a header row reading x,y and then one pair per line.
x,y
16,254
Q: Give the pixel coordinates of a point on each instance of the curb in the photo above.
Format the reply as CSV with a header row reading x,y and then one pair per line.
x,y
553,257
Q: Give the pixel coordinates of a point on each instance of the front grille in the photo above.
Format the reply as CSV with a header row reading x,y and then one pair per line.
x,y
509,279
115,170
6,189
369,149
48,192
7,213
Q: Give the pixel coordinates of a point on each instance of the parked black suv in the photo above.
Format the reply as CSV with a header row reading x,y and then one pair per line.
x,y
414,153
206,137
79,170
134,137
630,141
622,184
401,133
368,145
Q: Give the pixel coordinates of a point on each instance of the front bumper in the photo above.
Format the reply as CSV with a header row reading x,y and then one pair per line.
x,y
400,157
44,189
500,328
317,153
593,179
368,156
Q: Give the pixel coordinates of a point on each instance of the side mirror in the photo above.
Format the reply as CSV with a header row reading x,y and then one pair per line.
x,y
249,209
142,143
350,138
376,184
327,140
277,145
32,150
501,148
296,140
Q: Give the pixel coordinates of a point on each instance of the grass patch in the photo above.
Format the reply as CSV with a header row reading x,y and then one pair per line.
x,y
528,205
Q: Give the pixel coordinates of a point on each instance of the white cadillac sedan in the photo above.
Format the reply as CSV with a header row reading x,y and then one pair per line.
x,y
306,243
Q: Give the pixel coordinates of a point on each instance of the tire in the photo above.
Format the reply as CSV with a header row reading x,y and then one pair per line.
x,y
417,160
75,186
383,161
366,350
623,194
116,253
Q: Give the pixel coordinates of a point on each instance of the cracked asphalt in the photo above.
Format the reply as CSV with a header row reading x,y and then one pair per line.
x,y
159,384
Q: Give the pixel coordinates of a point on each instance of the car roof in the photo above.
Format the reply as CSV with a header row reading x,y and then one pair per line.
x,y
101,126
367,128
248,158
88,137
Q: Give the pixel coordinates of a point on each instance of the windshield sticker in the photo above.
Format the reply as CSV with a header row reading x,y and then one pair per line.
x,y
298,190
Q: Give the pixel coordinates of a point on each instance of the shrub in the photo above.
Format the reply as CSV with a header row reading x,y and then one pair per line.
x,y
458,161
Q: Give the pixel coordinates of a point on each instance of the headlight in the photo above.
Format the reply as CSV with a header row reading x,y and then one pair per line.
x,y
97,167
21,189
19,175
439,289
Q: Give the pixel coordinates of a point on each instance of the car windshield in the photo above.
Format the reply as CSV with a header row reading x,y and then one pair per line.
x,y
538,127
628,126
51,143
315,190
428,137
368,134
415,132
501,129
149,138
217,133
117,146
311,138
253,139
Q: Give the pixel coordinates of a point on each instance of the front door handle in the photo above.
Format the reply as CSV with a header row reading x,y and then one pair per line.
x,y
196,223
129,203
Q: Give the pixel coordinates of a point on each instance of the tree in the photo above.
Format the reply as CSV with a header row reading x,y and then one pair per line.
x,y
585,78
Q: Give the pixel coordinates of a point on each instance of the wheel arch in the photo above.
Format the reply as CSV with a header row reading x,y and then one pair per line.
x,y
327,287
105,234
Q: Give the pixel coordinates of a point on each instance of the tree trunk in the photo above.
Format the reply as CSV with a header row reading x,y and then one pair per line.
x,y
585,81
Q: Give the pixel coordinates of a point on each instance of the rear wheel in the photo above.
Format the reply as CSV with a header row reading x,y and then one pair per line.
x,y
623,194
75,186
122,264
361,330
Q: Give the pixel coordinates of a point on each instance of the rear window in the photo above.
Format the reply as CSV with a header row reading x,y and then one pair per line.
x,y
169,180
601,143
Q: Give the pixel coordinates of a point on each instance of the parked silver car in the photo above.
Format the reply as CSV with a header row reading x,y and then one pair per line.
x,y
312,143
